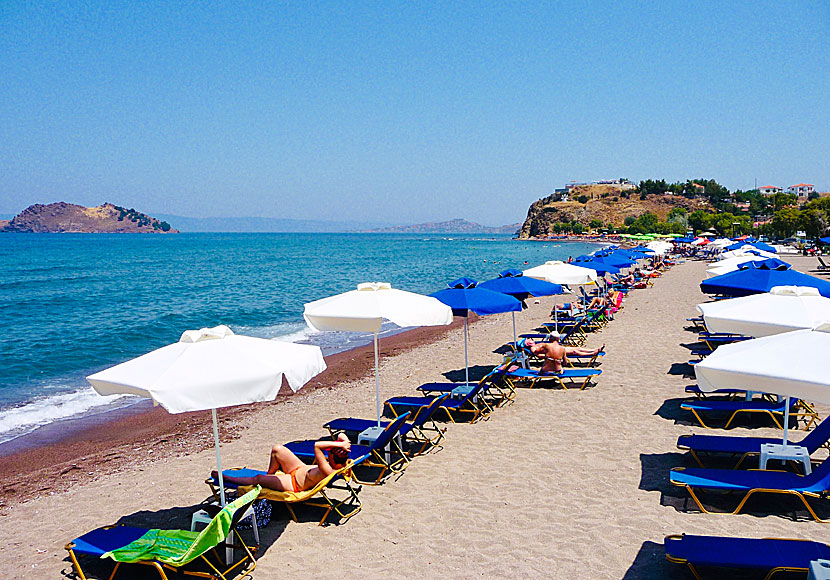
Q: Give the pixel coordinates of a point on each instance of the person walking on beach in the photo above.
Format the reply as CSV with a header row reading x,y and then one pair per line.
x,y
555,355
287,473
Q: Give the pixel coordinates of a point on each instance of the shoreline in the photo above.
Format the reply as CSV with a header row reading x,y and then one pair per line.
x,y
94,445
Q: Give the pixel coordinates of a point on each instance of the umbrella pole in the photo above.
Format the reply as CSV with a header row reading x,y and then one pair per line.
x,y
377,380
218,457
786,420
466,364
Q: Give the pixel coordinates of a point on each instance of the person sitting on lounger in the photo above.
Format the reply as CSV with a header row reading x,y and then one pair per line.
x,y
555,355
287,473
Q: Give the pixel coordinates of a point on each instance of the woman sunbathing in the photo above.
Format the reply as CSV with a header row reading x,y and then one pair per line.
x,y
287,473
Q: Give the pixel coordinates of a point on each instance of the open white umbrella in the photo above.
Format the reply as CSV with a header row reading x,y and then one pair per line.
x,y
364,309
791,364
558,272
745,251
209,369
731,264
782,309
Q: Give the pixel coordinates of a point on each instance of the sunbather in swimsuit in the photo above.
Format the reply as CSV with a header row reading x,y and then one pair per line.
x,y
287,473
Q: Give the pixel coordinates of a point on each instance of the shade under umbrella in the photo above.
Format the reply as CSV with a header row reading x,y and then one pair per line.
x,y
364,309
463,295
212,368
783,309
751,279
791,364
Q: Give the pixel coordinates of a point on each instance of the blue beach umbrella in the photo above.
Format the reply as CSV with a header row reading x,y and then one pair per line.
x,y
597,264
758,277
515,284
464,295
756,245
825,240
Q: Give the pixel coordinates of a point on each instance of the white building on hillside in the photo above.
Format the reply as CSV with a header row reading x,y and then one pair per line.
x,y
801,189
769,189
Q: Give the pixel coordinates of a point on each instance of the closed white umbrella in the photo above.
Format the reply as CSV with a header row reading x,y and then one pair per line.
x,y
364,309
782,309
209,369
791,364
558,272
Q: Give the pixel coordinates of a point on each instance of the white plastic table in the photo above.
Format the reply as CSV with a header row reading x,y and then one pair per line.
x,y
785,453
819,570
371,434
202,517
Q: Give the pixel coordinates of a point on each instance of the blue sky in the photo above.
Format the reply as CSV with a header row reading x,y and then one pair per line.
x,y
402,112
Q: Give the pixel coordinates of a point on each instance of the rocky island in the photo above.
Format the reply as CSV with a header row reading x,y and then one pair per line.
x,y
62,217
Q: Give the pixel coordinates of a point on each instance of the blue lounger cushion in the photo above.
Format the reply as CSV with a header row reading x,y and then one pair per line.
x,y
305,450
764,554
357,425
695,390
731,480
99,542
726,444
566,373
730,406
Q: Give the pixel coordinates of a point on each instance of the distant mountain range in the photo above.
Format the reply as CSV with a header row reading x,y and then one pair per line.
x,y
265,225
456,226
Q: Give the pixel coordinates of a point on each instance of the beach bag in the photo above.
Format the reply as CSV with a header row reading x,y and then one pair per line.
x,y
262,511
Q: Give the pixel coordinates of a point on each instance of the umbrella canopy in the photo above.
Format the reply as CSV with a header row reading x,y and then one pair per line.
x,y
558,272
745,252
519,286
660,247
732,264
364,309
791,364
783,309
754,245
515,284
463,295
720,243
600,267
825,240
754,280
209,369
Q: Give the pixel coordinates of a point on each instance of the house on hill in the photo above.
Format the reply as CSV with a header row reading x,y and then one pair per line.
x,y
802,190
769,189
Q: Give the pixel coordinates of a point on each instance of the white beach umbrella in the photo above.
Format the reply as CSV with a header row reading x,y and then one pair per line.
x,y
659,246
364,309
559,272
721,243
782,309
791,364
747,250
731,264
212,368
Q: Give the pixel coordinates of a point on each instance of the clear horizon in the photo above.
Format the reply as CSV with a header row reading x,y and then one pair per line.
x,y
402,113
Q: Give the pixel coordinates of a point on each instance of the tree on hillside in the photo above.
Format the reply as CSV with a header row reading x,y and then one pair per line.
x,y
782,200
785,222
699,220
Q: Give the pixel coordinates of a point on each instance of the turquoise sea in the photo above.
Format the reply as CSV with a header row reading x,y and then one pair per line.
x,y
73,304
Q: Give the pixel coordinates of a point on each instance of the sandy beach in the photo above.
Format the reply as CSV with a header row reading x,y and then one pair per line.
x,y
562,484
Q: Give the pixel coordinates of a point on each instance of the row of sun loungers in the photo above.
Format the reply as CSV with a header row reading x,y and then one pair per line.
x,y
744,480
413,429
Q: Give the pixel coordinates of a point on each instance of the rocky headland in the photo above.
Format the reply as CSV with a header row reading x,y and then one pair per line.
x,y
62,217
599,203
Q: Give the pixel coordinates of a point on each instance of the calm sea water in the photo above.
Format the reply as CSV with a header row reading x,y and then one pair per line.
x,y
71,305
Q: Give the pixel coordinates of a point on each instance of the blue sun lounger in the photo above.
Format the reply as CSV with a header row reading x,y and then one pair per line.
x,y
773,409
169,549
771,555
471,405
572,376
417,431
747,446
816,484
375,455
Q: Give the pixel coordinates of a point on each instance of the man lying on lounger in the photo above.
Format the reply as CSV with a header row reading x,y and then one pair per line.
x,y
294,474
554,354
